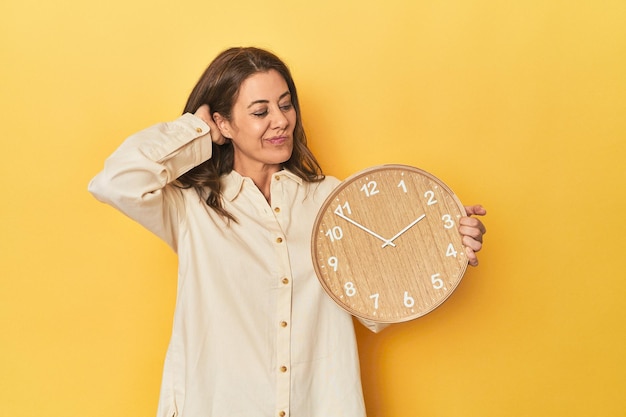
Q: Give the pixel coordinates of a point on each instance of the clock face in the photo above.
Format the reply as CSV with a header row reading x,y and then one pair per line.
x,y
386,245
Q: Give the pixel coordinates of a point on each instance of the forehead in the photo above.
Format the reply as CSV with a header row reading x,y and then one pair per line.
x,y
267,85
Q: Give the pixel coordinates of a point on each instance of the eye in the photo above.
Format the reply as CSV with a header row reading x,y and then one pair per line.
x,y
286,107
260,113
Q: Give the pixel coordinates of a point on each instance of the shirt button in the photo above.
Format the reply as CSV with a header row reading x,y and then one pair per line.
x,y
277,178
279,240
199,129
283,369
282,414
277,209
285,281
283,324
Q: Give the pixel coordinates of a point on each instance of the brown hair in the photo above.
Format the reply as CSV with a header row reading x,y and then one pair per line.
x,y
218,87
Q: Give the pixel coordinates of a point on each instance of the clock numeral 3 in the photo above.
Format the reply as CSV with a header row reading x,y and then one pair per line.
x,y
448,223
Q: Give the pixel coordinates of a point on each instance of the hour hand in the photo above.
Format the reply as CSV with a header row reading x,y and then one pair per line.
x,y
413,223
360,226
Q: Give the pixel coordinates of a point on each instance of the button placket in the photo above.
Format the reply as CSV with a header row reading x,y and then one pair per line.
x,y
283,345
283,308
283,331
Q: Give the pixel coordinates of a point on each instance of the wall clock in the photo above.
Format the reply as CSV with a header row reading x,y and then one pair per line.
x,y
386,245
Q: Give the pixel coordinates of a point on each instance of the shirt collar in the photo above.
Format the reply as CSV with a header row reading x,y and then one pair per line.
x,y
232,182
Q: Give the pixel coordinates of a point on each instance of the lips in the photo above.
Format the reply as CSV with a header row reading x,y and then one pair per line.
x,y
277,140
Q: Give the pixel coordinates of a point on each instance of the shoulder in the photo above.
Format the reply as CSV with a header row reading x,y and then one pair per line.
x,y
321,189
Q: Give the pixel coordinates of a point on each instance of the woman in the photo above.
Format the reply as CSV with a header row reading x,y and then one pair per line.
x,y
232,187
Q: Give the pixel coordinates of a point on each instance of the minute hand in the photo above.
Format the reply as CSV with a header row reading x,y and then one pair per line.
x,y
413,223
360,226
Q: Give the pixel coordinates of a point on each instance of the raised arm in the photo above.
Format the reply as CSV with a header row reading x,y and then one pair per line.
x,y
135,177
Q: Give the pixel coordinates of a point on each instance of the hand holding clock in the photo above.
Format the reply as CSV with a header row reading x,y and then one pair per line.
x,y
424,240
472,231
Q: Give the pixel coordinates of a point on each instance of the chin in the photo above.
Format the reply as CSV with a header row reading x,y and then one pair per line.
x,y
282,157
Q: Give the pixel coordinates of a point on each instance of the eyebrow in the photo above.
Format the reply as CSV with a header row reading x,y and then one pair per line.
x,y
283,95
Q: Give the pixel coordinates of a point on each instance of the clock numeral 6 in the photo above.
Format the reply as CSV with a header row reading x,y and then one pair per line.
x,y
334,234
370,188
350,289
408,300
437,282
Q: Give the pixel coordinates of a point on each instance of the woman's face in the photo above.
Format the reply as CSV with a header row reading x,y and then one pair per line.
x,y
262,123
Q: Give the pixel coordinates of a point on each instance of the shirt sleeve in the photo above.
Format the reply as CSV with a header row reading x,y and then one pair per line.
x,y
136,176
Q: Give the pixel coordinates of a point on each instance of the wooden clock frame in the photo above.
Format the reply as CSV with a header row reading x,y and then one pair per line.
x,y
386,245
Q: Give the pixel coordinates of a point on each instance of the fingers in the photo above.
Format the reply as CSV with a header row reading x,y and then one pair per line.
x,y
204,113
472,231
472,227
476,210
472,246
471,257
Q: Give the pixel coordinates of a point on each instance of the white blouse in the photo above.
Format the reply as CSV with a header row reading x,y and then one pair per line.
x,y
254,335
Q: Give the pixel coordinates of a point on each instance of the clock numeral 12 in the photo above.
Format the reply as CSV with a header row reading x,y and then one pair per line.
x,y
370,188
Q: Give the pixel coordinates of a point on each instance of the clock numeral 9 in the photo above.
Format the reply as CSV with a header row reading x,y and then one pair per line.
x,y
437,282
448,223
333,262
335,233
370,188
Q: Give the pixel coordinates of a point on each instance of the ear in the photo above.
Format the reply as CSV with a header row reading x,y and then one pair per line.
x,y
223,125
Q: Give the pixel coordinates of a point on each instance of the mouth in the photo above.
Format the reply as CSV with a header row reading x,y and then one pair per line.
x,y
277,140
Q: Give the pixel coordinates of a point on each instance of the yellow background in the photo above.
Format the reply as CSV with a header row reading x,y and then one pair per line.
x,y
518,105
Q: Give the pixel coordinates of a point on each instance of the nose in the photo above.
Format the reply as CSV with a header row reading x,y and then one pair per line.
x,y
280,120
